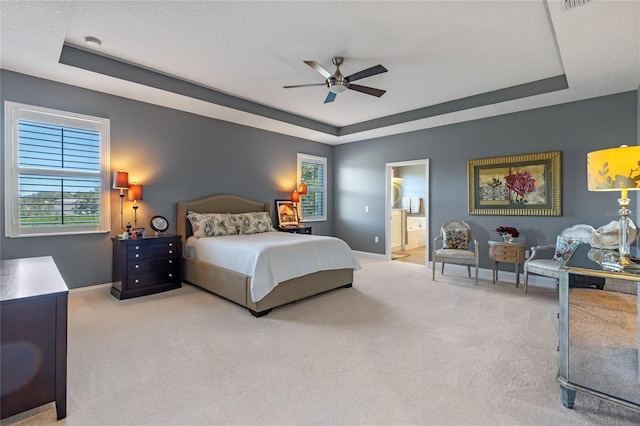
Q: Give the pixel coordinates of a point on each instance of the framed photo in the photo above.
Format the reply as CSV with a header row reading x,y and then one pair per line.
x,y
287,213
518,185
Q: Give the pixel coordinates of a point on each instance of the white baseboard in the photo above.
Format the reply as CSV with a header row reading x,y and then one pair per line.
x,y
368,254
89,290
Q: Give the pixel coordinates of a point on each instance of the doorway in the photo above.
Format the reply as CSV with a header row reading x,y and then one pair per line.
x,y
407,211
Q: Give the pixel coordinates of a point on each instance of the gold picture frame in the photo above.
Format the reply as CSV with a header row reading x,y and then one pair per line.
x,y
517,185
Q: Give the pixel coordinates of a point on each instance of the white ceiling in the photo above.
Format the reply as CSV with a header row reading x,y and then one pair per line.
x,y
435,51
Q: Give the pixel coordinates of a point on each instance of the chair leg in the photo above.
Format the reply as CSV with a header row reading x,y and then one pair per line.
x,y
476,273
442,272
526,281
469,270
433,270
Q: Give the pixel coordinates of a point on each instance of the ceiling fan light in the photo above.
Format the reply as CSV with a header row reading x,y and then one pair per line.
x,y
337,86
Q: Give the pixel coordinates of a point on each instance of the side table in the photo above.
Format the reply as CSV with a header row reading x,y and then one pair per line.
x,y
506,252
299,229
143,266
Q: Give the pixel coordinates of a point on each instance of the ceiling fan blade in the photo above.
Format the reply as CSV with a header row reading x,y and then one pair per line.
x,y
316,66
368,90
330,97
304,85
378,69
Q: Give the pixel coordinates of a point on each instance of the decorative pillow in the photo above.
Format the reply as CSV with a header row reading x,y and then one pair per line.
x,y
252,223
564,247
456,239
211,224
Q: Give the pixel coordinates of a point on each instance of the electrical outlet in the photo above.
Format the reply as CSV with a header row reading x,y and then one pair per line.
x,y
366,209
526,254
376,239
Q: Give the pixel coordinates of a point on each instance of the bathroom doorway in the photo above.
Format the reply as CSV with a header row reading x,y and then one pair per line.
x,y
407,211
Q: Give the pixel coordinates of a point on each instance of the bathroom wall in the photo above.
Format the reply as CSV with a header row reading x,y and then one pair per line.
x,y
411,179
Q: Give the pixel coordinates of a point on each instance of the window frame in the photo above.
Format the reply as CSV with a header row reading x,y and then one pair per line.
x,y
13,113
307,158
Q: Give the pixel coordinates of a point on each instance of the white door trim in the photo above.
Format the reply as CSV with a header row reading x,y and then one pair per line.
x,y
389,190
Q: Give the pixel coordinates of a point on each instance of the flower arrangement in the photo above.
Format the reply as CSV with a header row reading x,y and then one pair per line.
x,y
508,230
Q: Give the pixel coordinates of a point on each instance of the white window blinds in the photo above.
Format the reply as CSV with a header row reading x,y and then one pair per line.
x,y
56,179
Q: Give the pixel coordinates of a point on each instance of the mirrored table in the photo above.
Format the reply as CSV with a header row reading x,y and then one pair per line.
x,y
598,329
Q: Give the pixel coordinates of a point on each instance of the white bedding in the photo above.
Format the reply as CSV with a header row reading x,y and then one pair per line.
x,y
272,257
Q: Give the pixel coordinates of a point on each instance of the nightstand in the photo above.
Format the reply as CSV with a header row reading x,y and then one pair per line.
x,y
506,252
145,266
300,229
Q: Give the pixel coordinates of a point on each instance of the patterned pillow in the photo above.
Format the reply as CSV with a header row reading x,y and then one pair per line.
x,y
252,223
456,239
564,247
211,224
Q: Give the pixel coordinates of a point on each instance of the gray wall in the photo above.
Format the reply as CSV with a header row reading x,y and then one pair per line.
x,y
575,129
176,156
179,156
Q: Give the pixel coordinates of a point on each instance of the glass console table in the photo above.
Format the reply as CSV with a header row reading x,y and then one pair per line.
x,y
598,330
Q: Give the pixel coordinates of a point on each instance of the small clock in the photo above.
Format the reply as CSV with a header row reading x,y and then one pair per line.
x,y
159,223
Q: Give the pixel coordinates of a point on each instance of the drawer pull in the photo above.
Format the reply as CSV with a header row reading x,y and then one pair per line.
x,y
137,266
137,247
137,281
170,275
137,254
170,251
170,244
170,261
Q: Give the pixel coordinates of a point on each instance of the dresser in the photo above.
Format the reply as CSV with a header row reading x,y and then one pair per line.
x,y
598,330
33,330
145,266
506,252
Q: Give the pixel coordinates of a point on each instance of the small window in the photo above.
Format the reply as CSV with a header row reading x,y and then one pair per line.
x,y
312,171
56,172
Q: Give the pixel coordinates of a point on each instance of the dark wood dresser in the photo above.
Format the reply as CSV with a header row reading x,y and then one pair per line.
x,y
145,266
33,327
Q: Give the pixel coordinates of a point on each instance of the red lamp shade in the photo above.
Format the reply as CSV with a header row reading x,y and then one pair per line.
x,y
120,180
303,189
295,196
135,192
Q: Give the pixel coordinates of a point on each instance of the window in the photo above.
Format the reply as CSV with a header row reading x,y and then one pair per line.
x,y
56,172
312,171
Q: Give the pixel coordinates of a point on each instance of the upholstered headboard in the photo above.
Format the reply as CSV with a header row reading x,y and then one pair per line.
x,y
215,204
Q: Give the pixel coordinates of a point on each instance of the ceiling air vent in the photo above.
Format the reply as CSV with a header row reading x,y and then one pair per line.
x,y
570,4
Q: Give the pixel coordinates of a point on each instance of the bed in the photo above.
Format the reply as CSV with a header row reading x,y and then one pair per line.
x,y
236,286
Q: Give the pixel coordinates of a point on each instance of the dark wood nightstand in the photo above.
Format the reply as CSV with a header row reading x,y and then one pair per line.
x,y
300,229
145,266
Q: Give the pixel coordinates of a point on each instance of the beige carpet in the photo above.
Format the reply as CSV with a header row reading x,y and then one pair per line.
x,y
396,349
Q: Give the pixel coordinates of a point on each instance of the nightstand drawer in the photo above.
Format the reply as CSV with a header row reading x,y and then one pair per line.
x,y
151,279
140,267
151,251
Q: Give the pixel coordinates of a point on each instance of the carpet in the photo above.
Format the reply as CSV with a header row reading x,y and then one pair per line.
x,y
396,349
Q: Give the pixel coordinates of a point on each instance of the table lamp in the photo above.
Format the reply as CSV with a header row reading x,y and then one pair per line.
x,y
121,182
135,194
295,198
616,169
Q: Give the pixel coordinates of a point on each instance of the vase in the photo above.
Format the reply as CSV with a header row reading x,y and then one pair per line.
x,y
507,238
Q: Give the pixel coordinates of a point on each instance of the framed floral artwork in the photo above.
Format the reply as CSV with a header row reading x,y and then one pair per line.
x,y
517,185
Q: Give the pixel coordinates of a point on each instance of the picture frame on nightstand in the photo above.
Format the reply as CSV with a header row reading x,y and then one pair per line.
x,y
287,213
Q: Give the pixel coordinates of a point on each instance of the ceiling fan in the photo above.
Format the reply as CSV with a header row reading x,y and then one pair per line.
x,y
338,83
